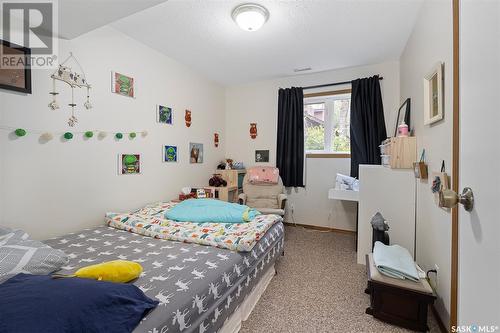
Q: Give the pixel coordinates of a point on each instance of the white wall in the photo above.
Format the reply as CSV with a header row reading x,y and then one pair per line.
x,y
258,102
430,42
54,188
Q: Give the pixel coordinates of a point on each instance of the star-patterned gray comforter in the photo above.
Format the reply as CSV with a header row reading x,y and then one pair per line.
x,y
198,286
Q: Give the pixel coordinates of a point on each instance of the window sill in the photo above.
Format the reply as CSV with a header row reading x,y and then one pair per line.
x,y
328,155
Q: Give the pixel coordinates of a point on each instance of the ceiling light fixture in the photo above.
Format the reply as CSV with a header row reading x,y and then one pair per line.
x,y
250,16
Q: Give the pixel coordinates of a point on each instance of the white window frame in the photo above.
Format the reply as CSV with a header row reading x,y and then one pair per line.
x,y
328,100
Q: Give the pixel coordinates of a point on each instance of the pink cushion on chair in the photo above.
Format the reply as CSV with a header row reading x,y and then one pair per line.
x,y
263,175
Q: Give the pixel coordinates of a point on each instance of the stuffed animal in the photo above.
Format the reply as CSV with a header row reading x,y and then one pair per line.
x,y
217,181
113,271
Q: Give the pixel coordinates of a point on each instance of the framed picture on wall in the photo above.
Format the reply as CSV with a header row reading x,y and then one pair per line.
x,y
169,153
433,95
164,114
403,115
195,152
262,156
122,84
129,164
15,68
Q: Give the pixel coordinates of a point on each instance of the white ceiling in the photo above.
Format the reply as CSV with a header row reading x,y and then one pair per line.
x,y
321,34
80,16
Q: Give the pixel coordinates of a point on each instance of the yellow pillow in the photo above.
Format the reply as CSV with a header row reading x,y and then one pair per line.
x,y
113,271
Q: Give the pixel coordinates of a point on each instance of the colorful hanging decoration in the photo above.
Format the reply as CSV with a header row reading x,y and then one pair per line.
x,y
216,139
74,80
253,130
20,132
46,137
187,118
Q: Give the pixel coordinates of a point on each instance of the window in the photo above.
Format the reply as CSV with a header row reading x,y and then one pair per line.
x,y
326,123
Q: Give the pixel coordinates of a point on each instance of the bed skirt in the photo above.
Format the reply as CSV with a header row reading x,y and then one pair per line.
x,y
233,324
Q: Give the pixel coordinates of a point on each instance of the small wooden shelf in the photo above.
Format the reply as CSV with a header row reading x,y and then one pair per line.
x,y
224,193
399,152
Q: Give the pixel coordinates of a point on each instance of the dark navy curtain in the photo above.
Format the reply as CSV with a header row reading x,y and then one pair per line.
x,y
290,141
367,123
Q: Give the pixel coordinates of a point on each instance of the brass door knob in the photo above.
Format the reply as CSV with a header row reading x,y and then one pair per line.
x,y
449,199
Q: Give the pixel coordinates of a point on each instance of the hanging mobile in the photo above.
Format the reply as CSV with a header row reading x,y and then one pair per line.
x,y
87,103
53,105
74,80
72,120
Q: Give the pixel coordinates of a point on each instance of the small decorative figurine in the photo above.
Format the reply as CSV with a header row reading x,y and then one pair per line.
x,y
187,118
216,139
253,130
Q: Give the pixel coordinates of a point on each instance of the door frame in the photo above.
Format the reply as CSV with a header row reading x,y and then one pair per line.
x,y
455,164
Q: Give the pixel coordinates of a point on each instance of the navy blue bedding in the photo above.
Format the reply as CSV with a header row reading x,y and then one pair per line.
x,y
39,303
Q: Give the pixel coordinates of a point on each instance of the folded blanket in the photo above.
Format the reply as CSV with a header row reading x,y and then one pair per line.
x,y
150,221
210,210
395,261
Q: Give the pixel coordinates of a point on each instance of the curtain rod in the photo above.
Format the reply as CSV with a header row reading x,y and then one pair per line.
x,y
332,84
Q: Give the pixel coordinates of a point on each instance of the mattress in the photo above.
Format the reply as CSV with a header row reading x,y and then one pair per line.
x,y
198,286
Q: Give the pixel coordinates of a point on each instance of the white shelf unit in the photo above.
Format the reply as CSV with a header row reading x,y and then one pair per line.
x,y
392,193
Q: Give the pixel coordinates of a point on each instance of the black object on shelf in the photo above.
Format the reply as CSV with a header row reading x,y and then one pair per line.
x,y
380,227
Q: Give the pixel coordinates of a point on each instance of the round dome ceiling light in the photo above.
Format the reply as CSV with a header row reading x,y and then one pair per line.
x,y
250,16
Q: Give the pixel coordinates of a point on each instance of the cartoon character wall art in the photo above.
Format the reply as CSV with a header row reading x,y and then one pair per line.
x,y
122,84
169,153
129,164
164,115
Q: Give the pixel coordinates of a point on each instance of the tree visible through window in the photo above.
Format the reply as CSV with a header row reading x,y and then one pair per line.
x,y
326,122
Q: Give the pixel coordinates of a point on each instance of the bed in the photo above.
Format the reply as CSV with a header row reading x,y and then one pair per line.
x,y
199,288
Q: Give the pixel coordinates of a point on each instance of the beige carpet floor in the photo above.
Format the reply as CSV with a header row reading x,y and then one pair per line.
x,y
319,288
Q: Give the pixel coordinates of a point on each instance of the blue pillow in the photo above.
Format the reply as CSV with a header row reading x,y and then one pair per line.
x,y
210,210
40,303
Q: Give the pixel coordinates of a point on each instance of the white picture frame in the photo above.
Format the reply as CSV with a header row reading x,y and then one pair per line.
x,y
164,157
130,92
168,120
134,169
433,95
